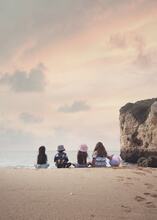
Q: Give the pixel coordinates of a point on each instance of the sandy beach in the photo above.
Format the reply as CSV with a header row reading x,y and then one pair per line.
x,y
83,194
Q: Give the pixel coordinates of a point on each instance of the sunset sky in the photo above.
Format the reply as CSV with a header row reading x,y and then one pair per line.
x,y
67,66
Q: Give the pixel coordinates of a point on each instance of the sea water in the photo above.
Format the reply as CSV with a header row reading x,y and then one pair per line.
x,y
27,159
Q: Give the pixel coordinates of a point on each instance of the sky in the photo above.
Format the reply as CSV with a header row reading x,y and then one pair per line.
x,y
67,67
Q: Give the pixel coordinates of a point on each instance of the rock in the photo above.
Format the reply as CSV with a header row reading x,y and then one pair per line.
x,y
147,162
142,162
138,129
152,161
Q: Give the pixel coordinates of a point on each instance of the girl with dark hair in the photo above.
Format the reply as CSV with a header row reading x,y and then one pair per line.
x,y
42,158
100,156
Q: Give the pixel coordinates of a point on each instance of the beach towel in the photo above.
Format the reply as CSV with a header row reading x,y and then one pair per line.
x,y
44,166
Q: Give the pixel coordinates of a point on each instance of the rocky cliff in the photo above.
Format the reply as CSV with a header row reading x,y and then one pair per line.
x,y
138,128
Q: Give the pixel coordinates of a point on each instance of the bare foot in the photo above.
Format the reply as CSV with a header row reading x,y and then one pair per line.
x,y
126,208
150,205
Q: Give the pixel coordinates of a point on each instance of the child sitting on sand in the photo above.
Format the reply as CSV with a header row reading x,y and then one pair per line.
x,y
82,156
115,160
100,157
61,158
42,158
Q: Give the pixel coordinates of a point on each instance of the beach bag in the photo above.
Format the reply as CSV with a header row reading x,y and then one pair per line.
x,y
80,165
115,161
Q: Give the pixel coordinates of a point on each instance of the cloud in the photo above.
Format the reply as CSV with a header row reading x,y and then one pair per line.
x,y
36,22
22,81
39,22
76,106
145,57
30,118
143,60
118,41
126,40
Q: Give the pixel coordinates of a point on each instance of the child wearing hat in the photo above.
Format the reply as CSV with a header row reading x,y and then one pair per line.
x,y
61,158
82,156
115,160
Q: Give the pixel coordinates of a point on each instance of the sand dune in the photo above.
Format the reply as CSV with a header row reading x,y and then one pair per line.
x,y
81,194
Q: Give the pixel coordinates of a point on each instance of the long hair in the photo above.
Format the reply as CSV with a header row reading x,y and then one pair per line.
x,y
42,157
82,158
42,150
100,149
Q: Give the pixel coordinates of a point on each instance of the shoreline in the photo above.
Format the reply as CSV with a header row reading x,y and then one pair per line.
x,y
124,165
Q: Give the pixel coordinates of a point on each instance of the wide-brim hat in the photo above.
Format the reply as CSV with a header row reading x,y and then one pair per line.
x,y
83,148
60,148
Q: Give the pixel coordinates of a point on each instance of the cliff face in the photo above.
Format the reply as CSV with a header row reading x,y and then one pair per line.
x,y
138,128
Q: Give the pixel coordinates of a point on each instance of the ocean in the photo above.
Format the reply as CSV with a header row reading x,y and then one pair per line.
x,y
27,159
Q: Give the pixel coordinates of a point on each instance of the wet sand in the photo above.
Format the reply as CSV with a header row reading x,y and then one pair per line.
x,y
83,194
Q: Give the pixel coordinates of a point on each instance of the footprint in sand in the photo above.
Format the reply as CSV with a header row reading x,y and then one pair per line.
x,y
146,193
150,205
129,178
140,173
154,195
149,186
128,184
126,208
146,170
120,178
92,216
139,198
